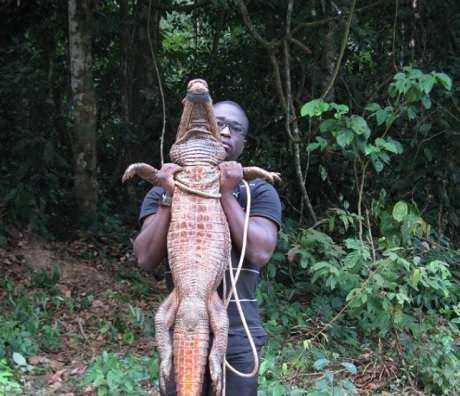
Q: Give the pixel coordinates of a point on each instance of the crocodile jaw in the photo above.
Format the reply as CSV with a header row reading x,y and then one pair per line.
x,y
198,113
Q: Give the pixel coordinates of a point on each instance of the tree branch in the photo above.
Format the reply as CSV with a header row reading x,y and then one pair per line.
x,y
290,109
301,45
330,19
247,21
342,51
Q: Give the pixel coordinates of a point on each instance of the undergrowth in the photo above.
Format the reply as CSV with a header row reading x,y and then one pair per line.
x,y
371,314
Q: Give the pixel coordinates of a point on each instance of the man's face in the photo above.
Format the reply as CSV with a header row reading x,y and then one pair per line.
x,y
233,126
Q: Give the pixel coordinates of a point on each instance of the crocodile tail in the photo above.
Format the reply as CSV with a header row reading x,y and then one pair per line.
x,y
190,360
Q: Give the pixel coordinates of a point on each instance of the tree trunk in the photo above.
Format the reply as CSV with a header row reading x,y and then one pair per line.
x,y
124,51
83,110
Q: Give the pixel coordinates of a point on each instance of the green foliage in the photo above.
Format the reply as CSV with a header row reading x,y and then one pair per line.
x,y
436,357
8,383
352,134
328,384
113,375
26,327
46,279
388,283
50,338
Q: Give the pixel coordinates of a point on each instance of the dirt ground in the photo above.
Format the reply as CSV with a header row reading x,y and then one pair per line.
x,y
98,281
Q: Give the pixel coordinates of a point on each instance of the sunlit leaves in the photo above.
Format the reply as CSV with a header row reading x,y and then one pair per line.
x,y
314,108
444,79
317,107
381,115
344,138
400,211
359,126
320,143
390,145
415,86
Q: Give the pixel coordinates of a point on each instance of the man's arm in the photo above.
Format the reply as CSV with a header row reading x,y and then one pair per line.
x,y
150,245
262,232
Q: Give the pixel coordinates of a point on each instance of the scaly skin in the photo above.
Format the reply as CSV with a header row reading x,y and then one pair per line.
x,y
199,247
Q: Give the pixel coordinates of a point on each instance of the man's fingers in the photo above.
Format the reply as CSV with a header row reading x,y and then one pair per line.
x,y
231,167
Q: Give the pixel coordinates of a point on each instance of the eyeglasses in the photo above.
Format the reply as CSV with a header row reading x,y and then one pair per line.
x,y
234,127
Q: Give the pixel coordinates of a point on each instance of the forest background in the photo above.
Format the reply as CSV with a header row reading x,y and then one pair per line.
x,y
356,103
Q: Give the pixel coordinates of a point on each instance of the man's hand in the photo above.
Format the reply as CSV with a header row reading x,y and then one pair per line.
x,y
231,174
165,177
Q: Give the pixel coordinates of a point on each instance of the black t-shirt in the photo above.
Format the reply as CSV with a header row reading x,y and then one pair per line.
x,y
265,202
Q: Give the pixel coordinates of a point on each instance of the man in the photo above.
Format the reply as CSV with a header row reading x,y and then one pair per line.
x,y
150,244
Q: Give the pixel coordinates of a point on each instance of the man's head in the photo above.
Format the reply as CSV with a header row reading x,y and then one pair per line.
x,y
234,125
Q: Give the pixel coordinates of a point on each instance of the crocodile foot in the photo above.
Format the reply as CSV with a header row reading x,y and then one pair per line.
x,y
253,172
144,171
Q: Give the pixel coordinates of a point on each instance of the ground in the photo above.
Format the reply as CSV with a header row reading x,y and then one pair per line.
x,y
97,300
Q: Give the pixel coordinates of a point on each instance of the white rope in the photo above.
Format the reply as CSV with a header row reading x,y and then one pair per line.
x,y
234,280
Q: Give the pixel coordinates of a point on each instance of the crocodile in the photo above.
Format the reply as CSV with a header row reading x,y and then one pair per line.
x,y
199,248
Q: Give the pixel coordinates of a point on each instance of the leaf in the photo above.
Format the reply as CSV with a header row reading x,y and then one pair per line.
x,y
444,79
400,211
426,101
344,138
378,165
340,110
312,147
411,112
381,116
322,142
19,359
314,108
352,243
359,126
371,149
413,72
329,125
389,144
350,367
373,107
320,265
415,278
320,364
426,83
414,94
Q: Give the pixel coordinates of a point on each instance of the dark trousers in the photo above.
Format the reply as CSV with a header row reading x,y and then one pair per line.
x,y
235,385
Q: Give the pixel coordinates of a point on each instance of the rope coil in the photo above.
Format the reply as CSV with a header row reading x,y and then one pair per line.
x,y
234,280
